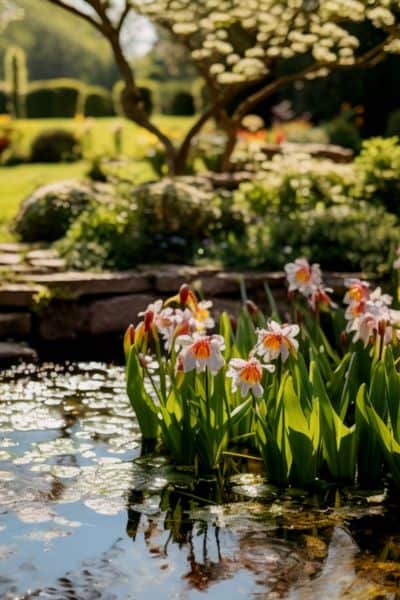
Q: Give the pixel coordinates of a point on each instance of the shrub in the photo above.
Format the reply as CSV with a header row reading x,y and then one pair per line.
x,y
295,182
55,145
343,133
98,102
47,214
183,104
339,235
393,124
378,169
343,237
54,98
3,100
102,237
169,221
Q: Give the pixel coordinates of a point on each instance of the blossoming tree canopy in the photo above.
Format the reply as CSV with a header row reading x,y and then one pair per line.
x,y
237,44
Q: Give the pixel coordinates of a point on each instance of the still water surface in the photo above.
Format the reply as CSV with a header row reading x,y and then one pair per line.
x,y
84,516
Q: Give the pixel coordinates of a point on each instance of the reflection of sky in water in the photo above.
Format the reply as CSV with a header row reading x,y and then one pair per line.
x,y
67,476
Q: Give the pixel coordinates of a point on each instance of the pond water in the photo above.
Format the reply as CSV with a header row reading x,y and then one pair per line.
x,y
83,515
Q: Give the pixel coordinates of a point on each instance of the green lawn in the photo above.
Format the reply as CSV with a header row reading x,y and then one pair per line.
x,y
19,181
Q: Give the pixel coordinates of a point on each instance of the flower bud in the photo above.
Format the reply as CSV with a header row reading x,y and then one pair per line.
x,y
129,339
251,307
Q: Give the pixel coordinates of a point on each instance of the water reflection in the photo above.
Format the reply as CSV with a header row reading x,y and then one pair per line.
x,y
84,515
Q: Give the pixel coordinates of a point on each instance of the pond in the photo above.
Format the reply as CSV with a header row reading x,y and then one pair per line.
x,y
83,515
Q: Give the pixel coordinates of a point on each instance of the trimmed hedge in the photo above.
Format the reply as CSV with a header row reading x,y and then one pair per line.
x,y
183,105
54,98
3,100
98,102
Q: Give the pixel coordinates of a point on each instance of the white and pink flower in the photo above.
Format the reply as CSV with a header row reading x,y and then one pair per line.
x,y
247,375
357,291
277,341
201,352
319,299
302,276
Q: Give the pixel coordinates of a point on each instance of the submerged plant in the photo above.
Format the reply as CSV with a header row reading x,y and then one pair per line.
x,y
286,391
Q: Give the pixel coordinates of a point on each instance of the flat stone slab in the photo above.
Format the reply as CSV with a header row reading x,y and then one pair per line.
x,y
91,284
15,325
48,264
10,259
115,314
18,295
13,247
41,254
13,353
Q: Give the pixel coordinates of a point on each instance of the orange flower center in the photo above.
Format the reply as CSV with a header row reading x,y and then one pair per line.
x,y
357,309
272,341
251,374
202,349
303,275
355,293
201,314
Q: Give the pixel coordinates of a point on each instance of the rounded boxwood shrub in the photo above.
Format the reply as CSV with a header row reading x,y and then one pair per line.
x,y
166,221
98,102
47,214
55,145
54,98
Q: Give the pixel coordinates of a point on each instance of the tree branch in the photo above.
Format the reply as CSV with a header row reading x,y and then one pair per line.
x,y
77,13
123,16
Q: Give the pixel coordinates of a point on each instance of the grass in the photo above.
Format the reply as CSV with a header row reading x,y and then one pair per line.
x,y
97,137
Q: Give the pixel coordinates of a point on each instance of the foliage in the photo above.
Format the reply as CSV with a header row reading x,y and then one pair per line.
x,y
378,167
167,221
311,409
98,102
58,45
183,104
3,99
393,124
339,235
53,98
48,212
343,132
16,79
55,145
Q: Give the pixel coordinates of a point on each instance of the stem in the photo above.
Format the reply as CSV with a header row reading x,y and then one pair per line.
x,y
207,391
149,375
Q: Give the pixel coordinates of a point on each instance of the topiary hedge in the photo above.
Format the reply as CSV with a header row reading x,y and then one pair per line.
x,y
3,100
54,98
183,105
98,102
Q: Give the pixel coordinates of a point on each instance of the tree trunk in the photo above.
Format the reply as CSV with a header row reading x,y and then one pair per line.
x,y
231,132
